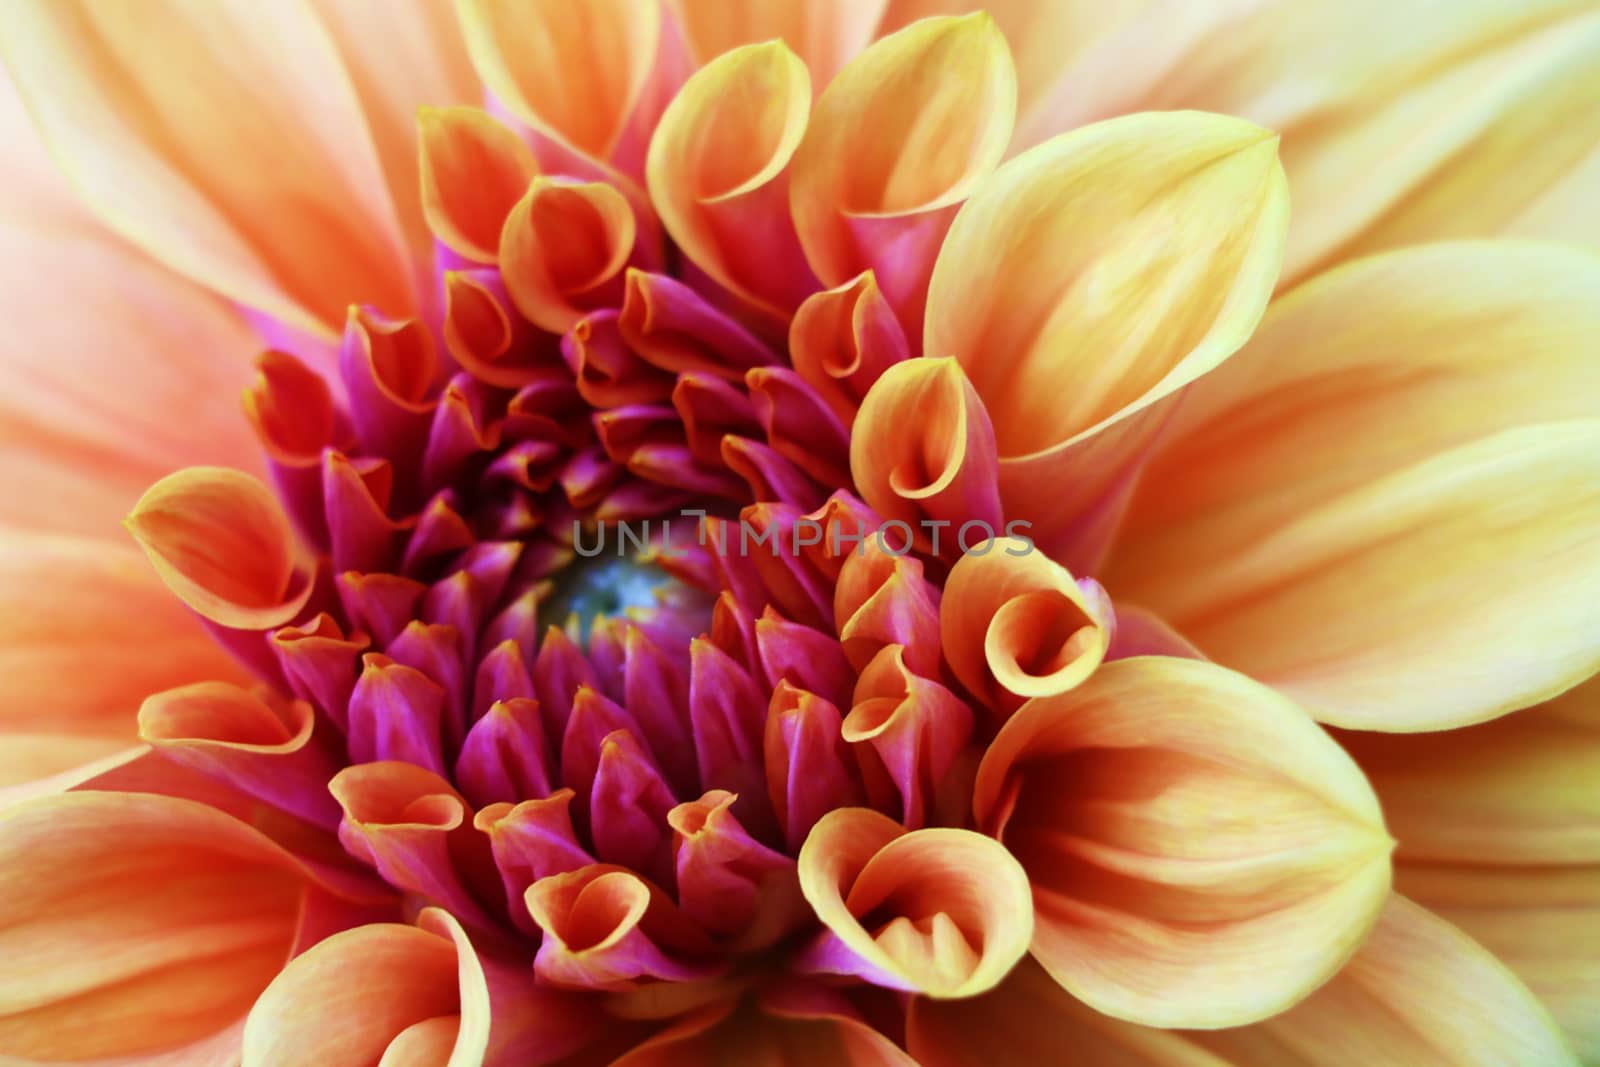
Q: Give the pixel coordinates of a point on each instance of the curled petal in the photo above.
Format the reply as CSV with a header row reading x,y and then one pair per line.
x,y
842,339
808,767
606,928
1090,279
571,71
319,661
291,409
220,541
473,170
674,328
923,447
718,172
504,758
485,335
728,882
1201,853
417,832
563,248
530,841
1016,624
396,713
899,139
232,734
881,599
951,909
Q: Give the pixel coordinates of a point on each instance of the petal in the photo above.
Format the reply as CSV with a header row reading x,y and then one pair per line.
x,y
824,34
1326,414
1201,853
563,249
86,633
571,71
766,1038
923,447
1459,122
718,172
1088,280
473,171
1418,993
1015,624
133,923
343,1001
950,909
899,138
227,141
220,541
1382,587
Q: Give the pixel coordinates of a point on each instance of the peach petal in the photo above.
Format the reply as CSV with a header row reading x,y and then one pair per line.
x,y
572,71
563,248
952,909
474,170
1015,624
1201,853
718,172
766,1037
220,541
824,35
923,448
900,138
842,339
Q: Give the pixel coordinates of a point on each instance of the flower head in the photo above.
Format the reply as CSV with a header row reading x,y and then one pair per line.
x,y
762,554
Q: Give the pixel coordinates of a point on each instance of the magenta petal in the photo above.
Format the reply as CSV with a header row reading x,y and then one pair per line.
x,y
530,841
729,882
674,328
800,426
434,649
504,758
809,769
807,658
380,604
355,494
628,809
320,663
395,715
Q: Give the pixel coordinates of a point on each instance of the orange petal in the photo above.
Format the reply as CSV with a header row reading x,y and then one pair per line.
x,y
473,171
824,34
228,143
571,71
1089,280
563,249
1015,624
1367,440
347,998
135,923
220,541
718,172
950,909
922,447
842,339
86,632
1201,853
900,138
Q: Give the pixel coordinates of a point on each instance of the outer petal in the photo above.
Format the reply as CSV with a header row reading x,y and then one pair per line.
x,y
1380,382
86,633
225,139
134,923
220,541
824,34
1418,993
1463,121
900,138
1090,279
473,169
572,71
1201,853
1499,828
950,909
769,1036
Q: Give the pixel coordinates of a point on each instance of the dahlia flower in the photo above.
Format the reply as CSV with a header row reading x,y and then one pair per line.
x,y
848,532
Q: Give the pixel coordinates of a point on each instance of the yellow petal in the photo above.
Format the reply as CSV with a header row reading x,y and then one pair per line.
x,y
950,908
571,71
1201,853
717,170
1419,993
1464,120
899,138
225,139
1090,279
1469,576
824,34
220,541
1015,624
563,249
473,171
